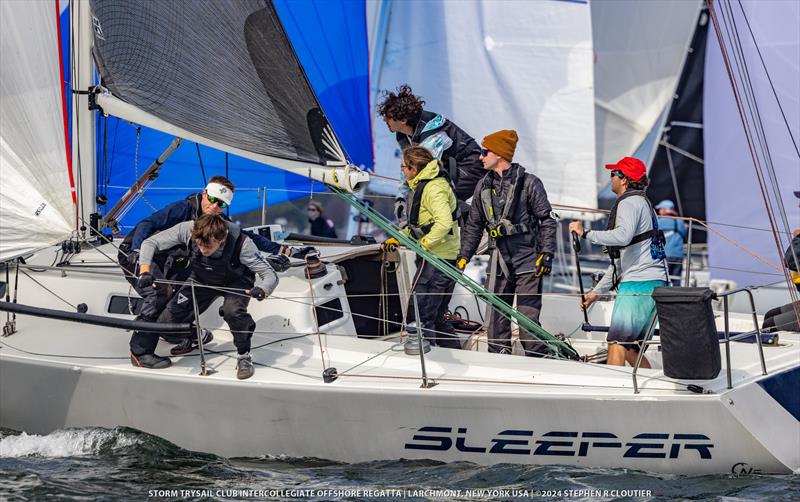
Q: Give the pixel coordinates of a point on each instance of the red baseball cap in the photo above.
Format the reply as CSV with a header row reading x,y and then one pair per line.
x,y
631,167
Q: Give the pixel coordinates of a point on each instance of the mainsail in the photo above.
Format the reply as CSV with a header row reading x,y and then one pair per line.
x,y
219,73
36,202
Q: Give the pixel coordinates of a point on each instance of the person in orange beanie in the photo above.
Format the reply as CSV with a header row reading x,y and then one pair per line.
x,y
512,206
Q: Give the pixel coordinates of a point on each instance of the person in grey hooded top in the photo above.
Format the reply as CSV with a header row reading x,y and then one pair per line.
x,y
222,257
638,266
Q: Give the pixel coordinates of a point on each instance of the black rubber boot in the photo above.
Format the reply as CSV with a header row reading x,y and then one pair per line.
x,y
187,345
150,361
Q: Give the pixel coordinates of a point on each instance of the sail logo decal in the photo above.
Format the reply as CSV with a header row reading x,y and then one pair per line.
x,y
562,443
182,298
98,30
40,208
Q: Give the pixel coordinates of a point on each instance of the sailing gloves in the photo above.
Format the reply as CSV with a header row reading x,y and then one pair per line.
x,y
145,281
461,262
390,245
279,262
297,252
544,264
258,293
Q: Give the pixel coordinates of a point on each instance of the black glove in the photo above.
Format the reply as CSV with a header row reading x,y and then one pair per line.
x,y
279,262
301,252
258,293
544,264
145,280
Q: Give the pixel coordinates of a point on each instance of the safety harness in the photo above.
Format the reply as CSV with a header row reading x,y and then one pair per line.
x,y
417,230
501,226
221,270
656,236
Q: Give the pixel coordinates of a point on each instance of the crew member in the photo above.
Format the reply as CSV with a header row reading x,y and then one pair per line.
x,y
433,221
636,248
173,264
222,256
459,152
512,206
320,226
675,235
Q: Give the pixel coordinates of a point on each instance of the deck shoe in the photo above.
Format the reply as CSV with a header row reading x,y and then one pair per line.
x,y
187,345
244,368
150,361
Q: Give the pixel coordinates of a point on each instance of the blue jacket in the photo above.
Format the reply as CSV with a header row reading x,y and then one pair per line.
x,y
675,233
186,210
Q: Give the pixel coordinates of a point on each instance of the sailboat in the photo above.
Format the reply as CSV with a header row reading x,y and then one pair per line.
x,y
334,376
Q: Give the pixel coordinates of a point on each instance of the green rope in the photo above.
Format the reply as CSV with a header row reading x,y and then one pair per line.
x,y
558,348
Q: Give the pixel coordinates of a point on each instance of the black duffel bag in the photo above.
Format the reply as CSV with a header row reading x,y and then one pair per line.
x,y
689,342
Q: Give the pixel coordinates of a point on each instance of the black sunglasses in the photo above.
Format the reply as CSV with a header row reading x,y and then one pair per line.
x,y
221,203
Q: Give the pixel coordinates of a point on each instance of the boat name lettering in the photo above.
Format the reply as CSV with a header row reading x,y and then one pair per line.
x,y
561,443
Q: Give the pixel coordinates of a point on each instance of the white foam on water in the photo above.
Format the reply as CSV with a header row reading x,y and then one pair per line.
x,y
64,443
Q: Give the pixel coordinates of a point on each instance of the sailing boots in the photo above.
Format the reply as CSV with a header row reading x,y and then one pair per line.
x,y
244,368
150,361
187,345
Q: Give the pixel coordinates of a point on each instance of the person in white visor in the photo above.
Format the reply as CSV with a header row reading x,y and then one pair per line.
x,y
174,265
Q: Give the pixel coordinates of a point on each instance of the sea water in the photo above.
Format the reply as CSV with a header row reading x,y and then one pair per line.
x,y
125,464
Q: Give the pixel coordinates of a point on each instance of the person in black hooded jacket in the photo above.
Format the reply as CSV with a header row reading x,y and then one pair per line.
x,y
459,152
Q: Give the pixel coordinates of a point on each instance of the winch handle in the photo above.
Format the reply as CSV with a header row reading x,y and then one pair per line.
x,y
576,245
576,242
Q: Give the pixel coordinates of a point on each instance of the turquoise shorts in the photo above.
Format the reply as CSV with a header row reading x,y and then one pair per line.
x,y
633,308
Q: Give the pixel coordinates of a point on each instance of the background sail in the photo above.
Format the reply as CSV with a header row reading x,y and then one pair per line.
x,y
639,48
500,65
733,195
36,207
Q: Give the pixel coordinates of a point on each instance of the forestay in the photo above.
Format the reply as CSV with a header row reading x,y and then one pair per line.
x,y
36,203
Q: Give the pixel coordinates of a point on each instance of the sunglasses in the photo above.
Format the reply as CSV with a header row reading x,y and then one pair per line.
x,y
221,203
484,152
618,174
311,209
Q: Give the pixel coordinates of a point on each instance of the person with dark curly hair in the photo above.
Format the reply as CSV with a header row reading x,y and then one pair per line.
x,y
413,126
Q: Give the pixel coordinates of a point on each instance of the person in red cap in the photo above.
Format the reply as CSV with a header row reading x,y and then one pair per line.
x,y
632,237
512,206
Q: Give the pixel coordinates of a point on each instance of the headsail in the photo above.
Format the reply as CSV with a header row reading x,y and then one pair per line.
x,y
219,73
36,205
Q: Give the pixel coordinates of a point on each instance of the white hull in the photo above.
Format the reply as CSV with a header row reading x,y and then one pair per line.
x,y
486,408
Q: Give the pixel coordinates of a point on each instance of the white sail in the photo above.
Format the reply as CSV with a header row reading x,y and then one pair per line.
x,y
640,48
500,65
733,195
36,208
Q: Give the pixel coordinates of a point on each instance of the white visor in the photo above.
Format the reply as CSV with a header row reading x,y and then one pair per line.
x,y
220,192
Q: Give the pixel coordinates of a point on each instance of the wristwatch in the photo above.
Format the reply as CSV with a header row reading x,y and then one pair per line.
x,y
585,233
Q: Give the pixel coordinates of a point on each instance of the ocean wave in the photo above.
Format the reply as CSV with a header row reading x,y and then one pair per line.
x,y
67,443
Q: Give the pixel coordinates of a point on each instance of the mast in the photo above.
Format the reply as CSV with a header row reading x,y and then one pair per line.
x,y
83,128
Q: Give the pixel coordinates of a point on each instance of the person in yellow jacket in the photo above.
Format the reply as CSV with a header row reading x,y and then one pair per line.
x,y
433,221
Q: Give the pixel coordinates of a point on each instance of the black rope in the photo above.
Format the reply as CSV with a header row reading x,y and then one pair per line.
x,y
202,169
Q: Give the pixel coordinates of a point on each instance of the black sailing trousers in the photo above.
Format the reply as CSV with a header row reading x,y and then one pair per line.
x,y
528,289
433,290
180,309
